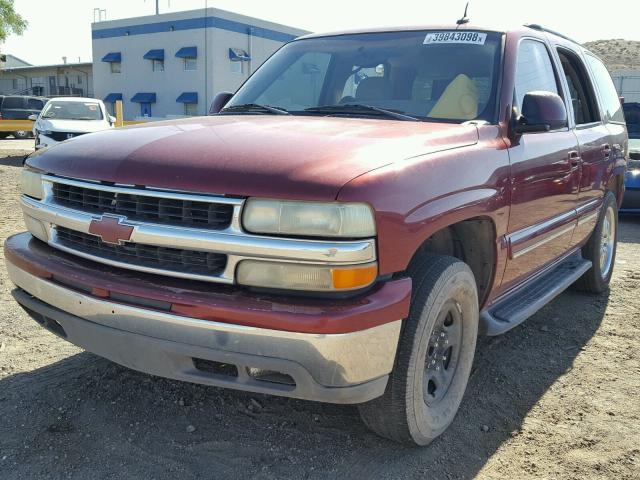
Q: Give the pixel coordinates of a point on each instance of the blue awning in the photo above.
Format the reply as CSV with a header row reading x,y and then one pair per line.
x,y
155,54
112,57
112,97
144,97
238,55
188,97
187,52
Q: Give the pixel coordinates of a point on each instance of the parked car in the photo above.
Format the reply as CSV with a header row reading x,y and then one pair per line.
x,y
631,203
69,117
342,227
14,114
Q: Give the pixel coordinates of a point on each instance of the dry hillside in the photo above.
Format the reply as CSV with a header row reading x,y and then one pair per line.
x,y
617,54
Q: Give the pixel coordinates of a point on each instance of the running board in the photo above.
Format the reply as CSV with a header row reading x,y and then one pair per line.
x,y
531,297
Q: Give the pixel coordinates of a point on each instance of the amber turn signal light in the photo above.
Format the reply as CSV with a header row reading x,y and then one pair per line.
x,y
355,277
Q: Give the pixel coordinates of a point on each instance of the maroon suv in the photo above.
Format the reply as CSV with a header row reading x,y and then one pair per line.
x,y
343,226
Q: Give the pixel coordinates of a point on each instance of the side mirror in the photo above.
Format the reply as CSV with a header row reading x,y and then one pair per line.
x,y
33,117
219,101
541,112
112,119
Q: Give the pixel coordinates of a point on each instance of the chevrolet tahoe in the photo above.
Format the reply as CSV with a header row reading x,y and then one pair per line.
x,y
343,226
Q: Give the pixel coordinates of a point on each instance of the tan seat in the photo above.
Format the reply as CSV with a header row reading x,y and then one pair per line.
x,y
458,101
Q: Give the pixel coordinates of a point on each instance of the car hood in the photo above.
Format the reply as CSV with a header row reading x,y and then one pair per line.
x,y
79,126
308,158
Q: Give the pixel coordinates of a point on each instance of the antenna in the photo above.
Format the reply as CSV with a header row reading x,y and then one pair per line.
x,y
158,5
464,18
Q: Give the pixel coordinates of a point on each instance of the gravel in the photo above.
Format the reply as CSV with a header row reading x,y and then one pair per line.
x,y
539,405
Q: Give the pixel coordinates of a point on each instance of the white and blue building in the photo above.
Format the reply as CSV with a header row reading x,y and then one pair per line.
x,y
173,64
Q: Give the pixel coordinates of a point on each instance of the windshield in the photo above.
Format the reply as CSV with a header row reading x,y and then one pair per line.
x,y
428,75
72,111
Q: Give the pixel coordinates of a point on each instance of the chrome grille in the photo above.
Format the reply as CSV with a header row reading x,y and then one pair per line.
x,y
148,256
170,211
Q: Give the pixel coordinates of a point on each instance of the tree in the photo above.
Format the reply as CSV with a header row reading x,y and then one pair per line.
x,y
10,21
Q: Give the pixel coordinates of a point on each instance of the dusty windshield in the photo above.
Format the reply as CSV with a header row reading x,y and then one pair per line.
x,y
72,111
422,75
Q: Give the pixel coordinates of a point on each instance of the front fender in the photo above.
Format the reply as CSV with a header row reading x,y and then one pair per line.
x,y
417,197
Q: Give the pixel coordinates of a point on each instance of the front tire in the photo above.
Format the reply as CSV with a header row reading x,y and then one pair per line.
x,y
601,248
22,134
435,354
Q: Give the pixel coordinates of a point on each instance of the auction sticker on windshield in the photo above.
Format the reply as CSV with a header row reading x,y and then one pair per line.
x,y
475,38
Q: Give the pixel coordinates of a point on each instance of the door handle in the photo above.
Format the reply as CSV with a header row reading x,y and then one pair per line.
x,y
574,158
606,149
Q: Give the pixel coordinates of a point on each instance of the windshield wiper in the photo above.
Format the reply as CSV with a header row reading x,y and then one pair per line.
x,y
253,107
355,108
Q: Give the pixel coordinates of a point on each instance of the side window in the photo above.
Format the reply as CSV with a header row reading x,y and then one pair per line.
x,y
534,70
583,99
608,94
34,104
291,93
13,102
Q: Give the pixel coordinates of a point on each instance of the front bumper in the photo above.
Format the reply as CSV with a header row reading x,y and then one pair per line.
x,y
350,367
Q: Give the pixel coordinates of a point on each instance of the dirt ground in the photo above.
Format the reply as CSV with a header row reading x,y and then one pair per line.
x,y
558,397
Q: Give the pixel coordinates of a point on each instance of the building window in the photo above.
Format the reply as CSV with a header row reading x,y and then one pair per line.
x,y
191,109
236,67
190,64
116,67
158,65
79,79
14,83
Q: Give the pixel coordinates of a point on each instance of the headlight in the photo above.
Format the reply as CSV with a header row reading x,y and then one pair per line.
x,y
295,276
31,183
282,217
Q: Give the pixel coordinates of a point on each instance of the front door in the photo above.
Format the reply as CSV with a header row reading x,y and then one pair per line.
x,y
145,109
545,176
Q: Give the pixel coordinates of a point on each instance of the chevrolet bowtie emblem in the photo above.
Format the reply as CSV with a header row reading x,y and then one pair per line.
x,y
111,229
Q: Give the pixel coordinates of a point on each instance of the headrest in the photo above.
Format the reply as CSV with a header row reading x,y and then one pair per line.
x,y
371,88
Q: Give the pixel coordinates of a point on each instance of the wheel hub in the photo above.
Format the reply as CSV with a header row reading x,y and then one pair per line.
x,y
607,242
443,350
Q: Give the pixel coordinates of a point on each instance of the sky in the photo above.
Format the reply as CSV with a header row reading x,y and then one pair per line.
x,y
60,28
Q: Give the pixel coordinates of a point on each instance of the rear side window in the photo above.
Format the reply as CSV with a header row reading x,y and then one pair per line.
x,y
583,98
608,94
534,70
34,104
13,102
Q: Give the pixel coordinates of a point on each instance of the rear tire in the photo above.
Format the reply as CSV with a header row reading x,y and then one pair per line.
x,y
601,248
435,354
22,134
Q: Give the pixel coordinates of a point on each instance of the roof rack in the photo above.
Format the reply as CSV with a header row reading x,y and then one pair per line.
x,y
540,28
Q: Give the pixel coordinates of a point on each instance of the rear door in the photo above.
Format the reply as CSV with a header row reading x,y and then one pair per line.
x,y
592,135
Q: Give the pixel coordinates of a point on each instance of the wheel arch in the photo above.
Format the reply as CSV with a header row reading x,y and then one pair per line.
x,y
616,186
471,240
